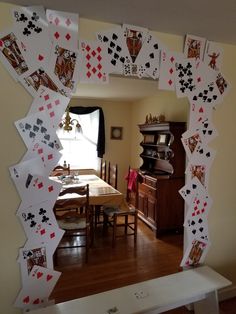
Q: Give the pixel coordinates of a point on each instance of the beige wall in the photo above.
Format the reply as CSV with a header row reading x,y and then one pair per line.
x,y
15,102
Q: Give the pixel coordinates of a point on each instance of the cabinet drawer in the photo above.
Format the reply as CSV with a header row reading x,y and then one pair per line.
x,y
148,190
151,181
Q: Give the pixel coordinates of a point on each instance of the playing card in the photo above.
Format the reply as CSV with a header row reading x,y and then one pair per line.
x,y
213,55
194,47
132,69
38,287
31,26
64,64
203,154
222,84
198,114
63,28
34,189
50,157
195,253
190,189
200,204
93,67
35,77
198,170
167,69
33,255
185,76
207,130
206,93
116,51
37,128
197,227
149,57
38,220
190,140
11,54
134,37
51,102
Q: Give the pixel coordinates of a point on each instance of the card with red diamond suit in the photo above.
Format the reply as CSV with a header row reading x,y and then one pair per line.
x,y
93,63
63,28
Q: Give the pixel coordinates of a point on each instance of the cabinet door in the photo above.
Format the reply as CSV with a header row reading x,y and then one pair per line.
x,y
151,209
142,202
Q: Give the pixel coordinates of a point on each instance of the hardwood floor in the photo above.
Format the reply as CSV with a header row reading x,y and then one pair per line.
x,y
110,268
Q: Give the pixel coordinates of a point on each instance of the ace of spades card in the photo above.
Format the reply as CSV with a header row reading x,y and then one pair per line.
x,y
195,253
167,69
34,255
149,57
194,47
93,68
116,51
50,157
36,128
197,227
63,28
30,24
37,289
38,220
185,76
35,77
11,54
51,102
135,37
64,64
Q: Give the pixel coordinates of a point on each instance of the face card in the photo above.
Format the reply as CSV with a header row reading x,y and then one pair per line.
x,y
222,85
11,54
190,189
197,227
63,28
213,56
37,128
50,157
34,255
185,76
190,140
93,67
51,102
38,220
116,51
38,287
195,253
198,170
194,47
36,77
167,69
64,64
149,58
31,26
203,154
135,37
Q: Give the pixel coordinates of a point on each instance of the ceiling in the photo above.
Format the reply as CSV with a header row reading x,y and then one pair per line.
x,y
212,19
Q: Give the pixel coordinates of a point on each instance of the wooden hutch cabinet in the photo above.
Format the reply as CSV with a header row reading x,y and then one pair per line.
x,y
161,175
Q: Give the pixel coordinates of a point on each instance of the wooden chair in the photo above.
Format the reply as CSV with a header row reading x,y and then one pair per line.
x,y
103,170
76,223
60,170
112,175
119,218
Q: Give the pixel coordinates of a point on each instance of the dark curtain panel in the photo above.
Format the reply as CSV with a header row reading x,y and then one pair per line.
x,y
101,127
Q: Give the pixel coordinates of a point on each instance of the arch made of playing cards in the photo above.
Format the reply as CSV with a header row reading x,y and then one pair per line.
x,y
40,52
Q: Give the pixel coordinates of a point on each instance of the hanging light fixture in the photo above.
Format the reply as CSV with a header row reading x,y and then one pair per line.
x,y
68,123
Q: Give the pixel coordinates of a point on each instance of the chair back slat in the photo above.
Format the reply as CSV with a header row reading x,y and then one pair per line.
x,y
112,175
103,170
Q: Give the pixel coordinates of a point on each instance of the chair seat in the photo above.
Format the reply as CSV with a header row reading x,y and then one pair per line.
x,y
72,223
111,210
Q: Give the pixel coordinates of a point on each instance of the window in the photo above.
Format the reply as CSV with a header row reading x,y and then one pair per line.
x,y
80,148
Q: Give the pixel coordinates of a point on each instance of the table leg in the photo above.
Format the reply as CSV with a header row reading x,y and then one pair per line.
x,y
209,305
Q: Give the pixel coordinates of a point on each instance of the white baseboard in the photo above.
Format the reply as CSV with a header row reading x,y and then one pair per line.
x,y
227,293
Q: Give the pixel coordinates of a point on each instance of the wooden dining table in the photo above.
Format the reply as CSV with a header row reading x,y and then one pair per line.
x,y
100,192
